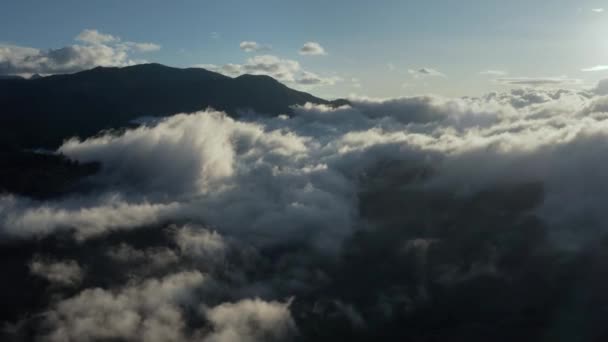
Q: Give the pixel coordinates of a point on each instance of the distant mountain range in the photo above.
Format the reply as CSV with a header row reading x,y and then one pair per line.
x,y
43,111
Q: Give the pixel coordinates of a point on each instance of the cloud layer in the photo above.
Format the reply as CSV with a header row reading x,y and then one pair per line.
x,y
368,220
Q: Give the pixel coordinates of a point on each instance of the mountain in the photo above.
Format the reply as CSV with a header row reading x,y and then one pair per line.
x,y
11,77
41,112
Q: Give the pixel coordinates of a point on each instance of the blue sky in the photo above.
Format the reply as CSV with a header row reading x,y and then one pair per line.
x,y
378,49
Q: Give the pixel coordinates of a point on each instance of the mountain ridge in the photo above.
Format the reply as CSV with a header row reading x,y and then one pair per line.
x,y
42,112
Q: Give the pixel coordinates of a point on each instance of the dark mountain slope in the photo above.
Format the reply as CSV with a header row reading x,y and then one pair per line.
x,y
42,112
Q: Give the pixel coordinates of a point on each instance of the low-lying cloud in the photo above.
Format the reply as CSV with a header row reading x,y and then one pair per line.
x,y
327,222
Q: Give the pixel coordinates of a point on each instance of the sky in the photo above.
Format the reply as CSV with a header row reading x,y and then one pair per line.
x,y
355,48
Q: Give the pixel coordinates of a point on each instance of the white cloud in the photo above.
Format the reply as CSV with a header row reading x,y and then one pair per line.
x,y
141,311
540,81
151,258
597,10
199,243
296,181
271,180
22,217
596,68
144,47
284,70
312,49
63,273
250,46
96,37
494,72
98,50
250,321
159,310
312,79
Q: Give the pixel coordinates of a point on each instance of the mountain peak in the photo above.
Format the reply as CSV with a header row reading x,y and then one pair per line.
x,y
86,102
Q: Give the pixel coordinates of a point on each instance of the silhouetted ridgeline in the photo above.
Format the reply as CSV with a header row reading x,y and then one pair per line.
x,y
41,112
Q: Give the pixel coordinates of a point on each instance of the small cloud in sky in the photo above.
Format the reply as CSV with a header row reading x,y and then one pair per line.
x,y
308,78
493,73
312,49
596,68
142,47
425,72
597,10
251,46
215,35
539,81
95,37
391,66
283,70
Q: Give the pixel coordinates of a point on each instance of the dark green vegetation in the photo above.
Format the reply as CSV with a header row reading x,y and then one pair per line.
x,y
438,266
42,112
40,175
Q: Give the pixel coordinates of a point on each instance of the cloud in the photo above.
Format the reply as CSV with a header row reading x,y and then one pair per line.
x,y
312,79
200,243
425,72
494,73
143,47
250,46
312,49
284,70
19,60
105,213
201,225
142,311
98,49
596,68
539,81
601,88
597,10
96,37
165,309
298,173
62,273
251,320
151,258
